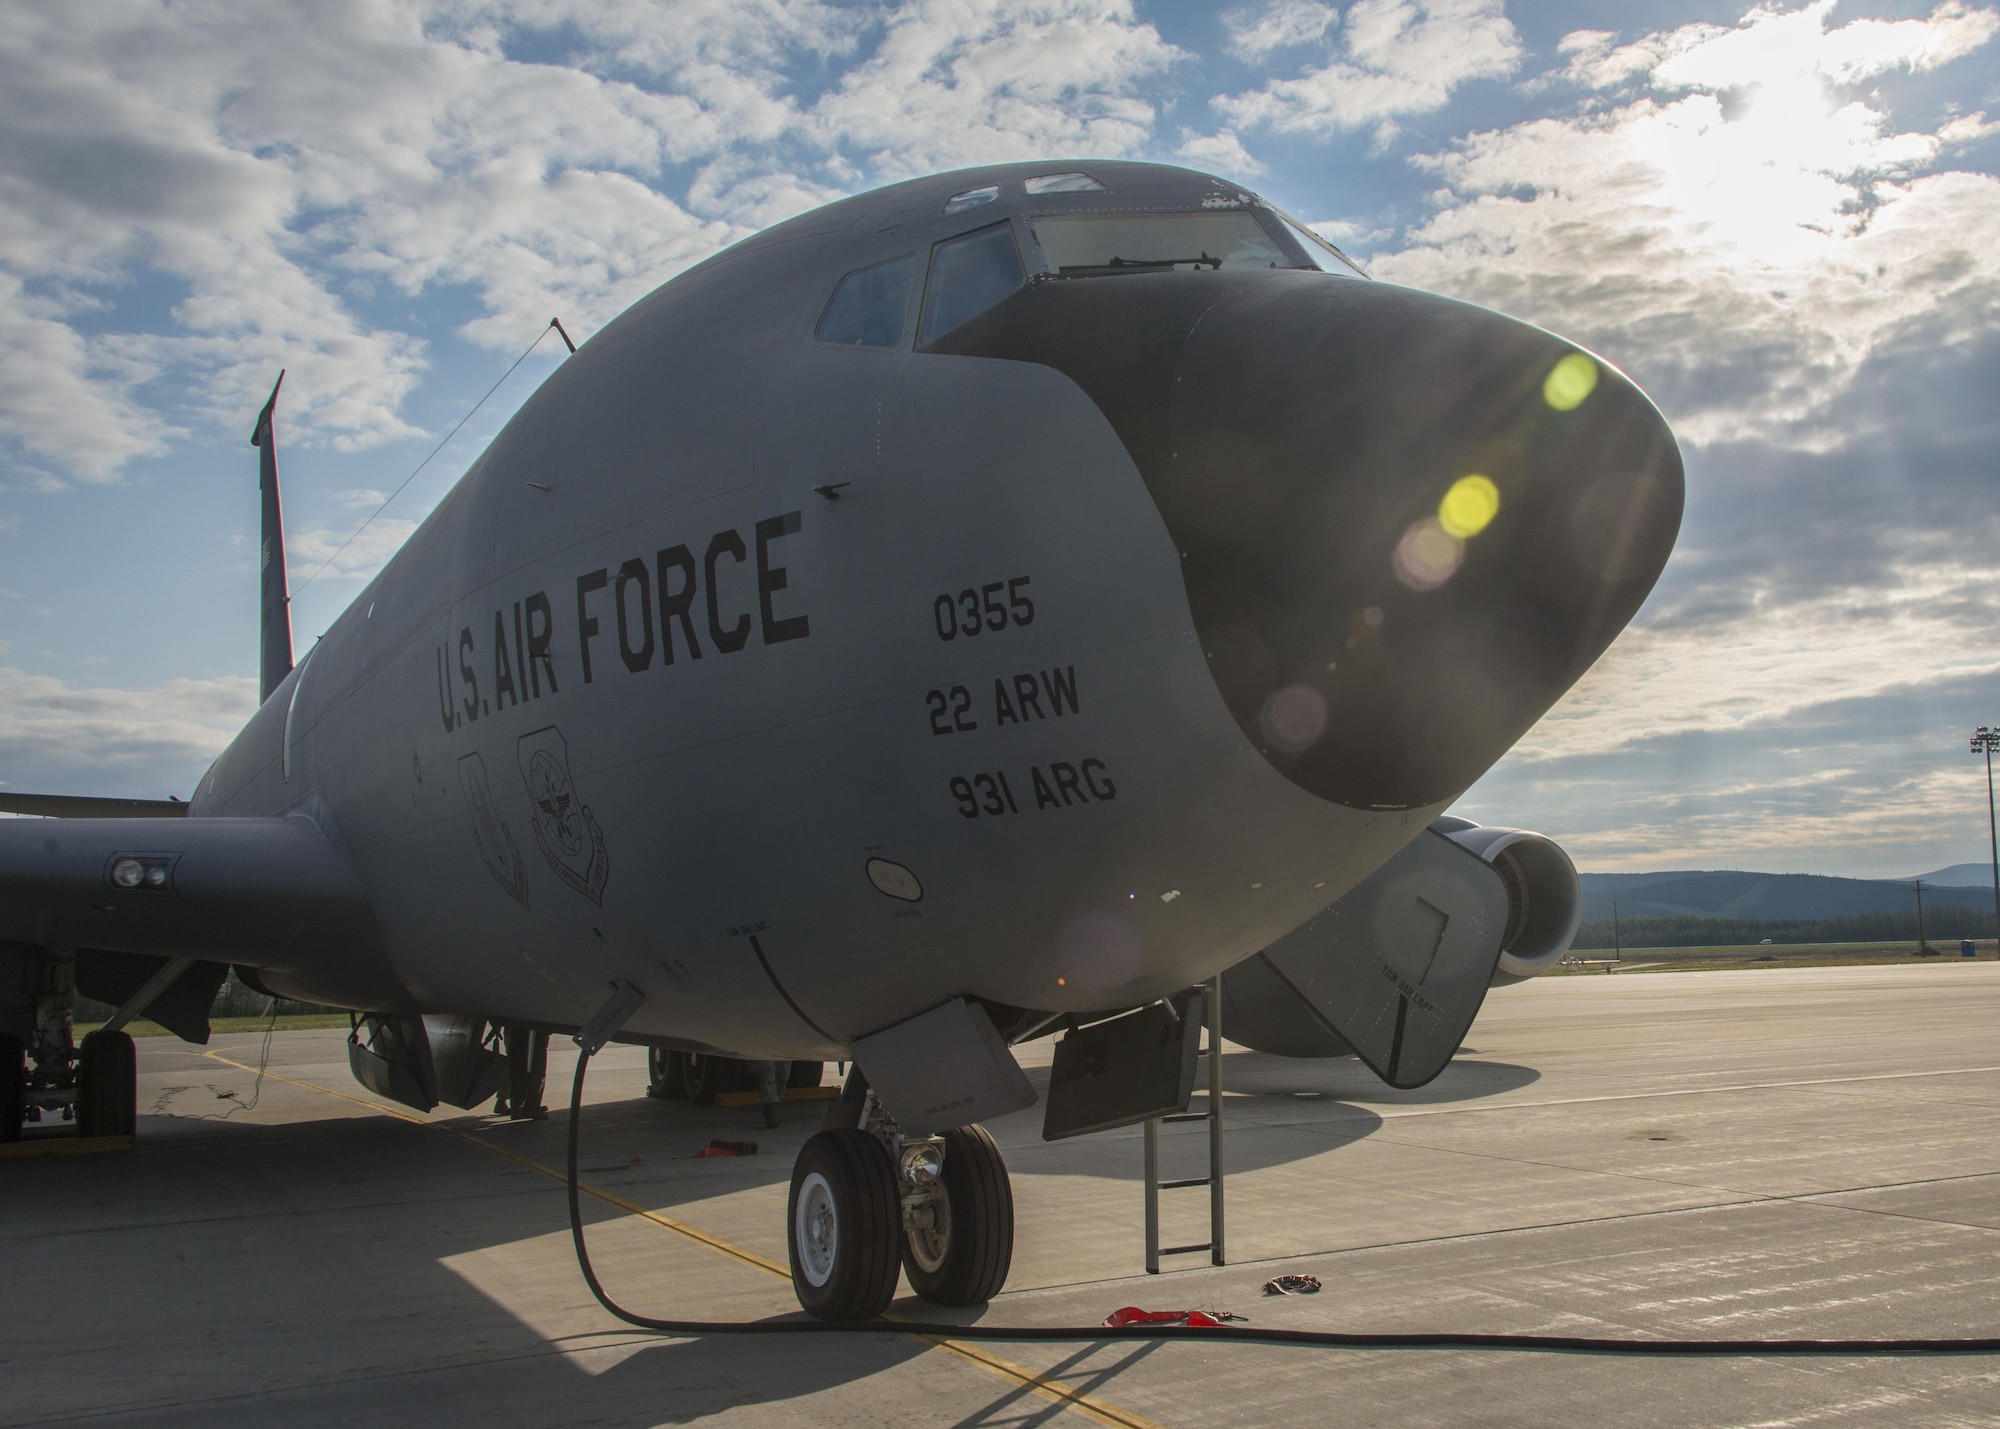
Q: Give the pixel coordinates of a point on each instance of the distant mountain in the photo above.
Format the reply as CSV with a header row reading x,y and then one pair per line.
x,y
1962,875
1731,894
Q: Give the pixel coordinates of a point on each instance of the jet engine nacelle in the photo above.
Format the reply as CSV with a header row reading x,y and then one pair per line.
x,y
1395,971
1544,895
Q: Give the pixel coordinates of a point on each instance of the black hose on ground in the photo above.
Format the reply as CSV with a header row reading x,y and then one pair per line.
x,y
1329,1339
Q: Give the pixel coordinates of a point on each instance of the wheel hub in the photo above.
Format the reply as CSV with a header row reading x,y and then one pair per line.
x,y
816,1231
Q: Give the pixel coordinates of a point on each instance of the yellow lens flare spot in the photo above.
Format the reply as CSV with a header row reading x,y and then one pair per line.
x,y
1570,381
1469,507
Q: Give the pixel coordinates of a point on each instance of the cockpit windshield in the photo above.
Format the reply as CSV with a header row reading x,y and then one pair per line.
x,y
1079,245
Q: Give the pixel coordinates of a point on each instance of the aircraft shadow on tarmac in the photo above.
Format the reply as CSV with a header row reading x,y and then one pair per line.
x,y
376,1172
1289,1109
333,1288
1284,1109
1465,1079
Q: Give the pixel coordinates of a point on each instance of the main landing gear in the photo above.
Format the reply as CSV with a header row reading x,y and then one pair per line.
x,y
44,1075
868,1201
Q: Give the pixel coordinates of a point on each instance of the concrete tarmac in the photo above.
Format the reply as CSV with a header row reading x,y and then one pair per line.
x,y
1741,1154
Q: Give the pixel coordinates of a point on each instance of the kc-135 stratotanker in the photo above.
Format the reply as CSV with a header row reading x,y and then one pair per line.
x,y
1028,601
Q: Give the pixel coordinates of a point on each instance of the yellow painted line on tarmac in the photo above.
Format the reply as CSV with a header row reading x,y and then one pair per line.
x,y
1055,1391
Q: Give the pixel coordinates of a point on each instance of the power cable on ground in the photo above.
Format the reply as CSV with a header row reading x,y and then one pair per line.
x,y
1325,1339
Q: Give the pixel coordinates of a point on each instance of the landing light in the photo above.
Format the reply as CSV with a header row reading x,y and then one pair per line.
x,y
128,872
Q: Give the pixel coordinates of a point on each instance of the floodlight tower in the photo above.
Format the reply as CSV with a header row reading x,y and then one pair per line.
x,y
1984,741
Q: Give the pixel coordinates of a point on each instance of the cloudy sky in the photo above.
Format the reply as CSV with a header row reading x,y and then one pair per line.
x,y
1783,221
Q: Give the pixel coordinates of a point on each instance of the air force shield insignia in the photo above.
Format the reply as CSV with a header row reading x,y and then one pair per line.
x,y
495,840
564,826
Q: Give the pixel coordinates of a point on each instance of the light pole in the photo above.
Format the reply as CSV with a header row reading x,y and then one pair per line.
x,y
1984,741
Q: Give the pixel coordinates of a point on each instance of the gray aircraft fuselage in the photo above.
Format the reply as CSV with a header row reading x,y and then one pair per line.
x,y
1063,658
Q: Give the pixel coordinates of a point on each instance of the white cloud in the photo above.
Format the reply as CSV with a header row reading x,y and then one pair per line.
x,y
86,740
1278,25
953,83
1398,57
1967,128
309,549
57,398
1220,153
266,172
1742,261
1773,44
269,166
1777,659
1735,217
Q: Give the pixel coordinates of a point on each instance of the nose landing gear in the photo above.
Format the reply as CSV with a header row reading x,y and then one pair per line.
x,y
867,1201
958,1240
843,1223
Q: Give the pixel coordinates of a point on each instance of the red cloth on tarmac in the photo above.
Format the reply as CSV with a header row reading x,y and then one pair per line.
x,y
1133,1315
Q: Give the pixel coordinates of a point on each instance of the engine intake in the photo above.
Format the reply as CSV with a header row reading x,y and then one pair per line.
x,y
1544,895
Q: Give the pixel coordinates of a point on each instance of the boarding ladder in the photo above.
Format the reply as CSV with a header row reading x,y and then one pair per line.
x,y
1212,1017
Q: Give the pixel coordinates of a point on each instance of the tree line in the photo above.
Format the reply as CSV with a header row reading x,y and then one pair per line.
x,y
1946,923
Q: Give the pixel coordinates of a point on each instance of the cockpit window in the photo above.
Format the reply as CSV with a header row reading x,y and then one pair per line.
x,y
1089,244
1062,184
871,306
1324,255
969,274
971,198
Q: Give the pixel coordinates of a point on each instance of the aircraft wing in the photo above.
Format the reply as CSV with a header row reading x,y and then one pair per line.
x,y
75,806
270,894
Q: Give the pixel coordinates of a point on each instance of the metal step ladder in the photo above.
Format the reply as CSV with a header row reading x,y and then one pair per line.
x,y
1212,1018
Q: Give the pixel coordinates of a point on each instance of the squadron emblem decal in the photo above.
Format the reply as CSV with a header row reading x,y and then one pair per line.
x,y
497,849
565,829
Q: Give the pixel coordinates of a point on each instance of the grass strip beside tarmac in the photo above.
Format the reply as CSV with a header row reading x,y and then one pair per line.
x,y
1596,961
296,1022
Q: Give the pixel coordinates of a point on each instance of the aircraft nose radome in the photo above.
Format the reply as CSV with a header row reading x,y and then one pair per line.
x,y
1410,525
1407,524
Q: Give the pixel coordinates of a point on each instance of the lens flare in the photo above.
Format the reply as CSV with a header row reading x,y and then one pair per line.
x,y
1099,950
1570,381
1469,507
1428,555
1294,718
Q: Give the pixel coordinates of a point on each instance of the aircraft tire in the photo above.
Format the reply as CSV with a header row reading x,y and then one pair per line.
x,y
107,1085
843,1225
977,1212
703,1075
666,1074
13,1087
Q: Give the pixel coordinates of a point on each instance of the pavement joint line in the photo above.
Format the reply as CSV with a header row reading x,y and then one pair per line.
x,y
1057,1392
1749,1200
1389,1111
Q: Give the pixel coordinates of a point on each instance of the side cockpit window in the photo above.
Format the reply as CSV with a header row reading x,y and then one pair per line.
x,y
871,306
969,274
1322,254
